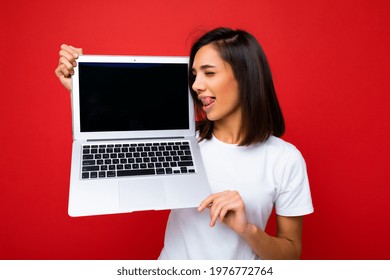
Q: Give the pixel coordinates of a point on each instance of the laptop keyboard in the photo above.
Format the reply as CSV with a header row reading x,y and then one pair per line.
x,y
135,159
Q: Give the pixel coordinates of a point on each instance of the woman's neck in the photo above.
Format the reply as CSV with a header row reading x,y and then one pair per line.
x,y
228,131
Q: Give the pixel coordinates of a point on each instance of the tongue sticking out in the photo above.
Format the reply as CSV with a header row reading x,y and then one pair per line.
x,y
208,100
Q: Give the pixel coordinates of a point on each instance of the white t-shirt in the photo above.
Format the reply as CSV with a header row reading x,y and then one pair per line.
x,y
269,174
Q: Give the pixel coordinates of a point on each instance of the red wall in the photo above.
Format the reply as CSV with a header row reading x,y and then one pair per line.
x,y
330,61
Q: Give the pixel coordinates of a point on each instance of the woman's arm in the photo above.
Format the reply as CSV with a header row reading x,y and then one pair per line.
x,y
229,208
66,63
286,245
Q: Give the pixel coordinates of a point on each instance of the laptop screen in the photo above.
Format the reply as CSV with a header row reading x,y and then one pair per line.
x,y
133,96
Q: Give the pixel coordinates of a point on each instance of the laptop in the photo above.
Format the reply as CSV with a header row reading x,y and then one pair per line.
x,y
134,143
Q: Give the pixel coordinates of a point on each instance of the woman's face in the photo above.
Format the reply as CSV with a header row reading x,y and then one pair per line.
x,y
216,85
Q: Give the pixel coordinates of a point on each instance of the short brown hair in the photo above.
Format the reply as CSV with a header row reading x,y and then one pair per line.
x,y
261,112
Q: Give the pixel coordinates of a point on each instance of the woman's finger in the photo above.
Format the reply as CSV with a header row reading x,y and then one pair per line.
x,y
207,202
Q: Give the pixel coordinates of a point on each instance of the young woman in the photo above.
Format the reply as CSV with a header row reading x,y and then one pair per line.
x,y
249,168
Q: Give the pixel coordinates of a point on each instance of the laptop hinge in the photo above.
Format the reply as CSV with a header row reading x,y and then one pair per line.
x,y
134,139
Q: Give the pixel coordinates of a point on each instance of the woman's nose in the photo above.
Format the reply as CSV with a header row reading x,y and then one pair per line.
x,y
198,85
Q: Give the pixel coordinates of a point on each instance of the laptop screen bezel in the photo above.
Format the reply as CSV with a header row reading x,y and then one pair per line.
x,y
112,135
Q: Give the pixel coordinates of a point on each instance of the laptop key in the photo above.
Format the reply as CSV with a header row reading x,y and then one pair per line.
x,y
135,172
184,158
184,147
185,163
91,168
89,162
183,170
87,156
111,174
160,171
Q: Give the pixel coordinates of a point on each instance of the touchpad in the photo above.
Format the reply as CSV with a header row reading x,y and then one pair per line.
x,y
145,194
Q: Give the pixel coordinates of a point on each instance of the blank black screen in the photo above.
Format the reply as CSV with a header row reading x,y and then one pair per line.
x,y
133,96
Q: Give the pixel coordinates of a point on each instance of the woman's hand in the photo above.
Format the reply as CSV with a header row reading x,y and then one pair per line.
x,y
229,208
66,63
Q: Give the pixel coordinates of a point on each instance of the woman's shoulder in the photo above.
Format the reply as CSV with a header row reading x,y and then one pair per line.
x,y
279,143
278,146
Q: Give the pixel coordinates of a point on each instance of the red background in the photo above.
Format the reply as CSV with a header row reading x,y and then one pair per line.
x,y
330,61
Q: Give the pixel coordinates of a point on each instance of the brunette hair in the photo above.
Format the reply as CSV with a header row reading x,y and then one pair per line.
x,y
261,112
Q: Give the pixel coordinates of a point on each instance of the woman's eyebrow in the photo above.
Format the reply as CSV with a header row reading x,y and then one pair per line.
x,y
204,67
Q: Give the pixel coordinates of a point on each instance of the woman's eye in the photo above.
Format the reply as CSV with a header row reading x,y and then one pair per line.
x,y
210,73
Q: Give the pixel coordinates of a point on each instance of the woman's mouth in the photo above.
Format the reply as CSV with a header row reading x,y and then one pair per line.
x,y
207,102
